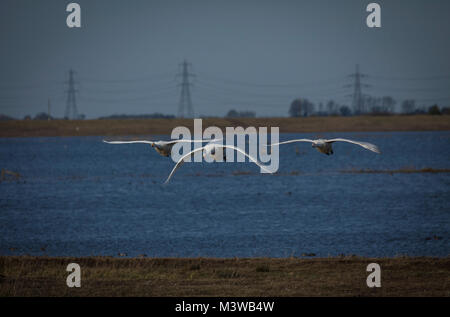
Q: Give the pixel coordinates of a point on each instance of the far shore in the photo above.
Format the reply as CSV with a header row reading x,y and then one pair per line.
x,y
148,127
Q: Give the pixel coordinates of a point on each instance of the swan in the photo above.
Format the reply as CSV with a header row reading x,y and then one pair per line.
x,y
324,145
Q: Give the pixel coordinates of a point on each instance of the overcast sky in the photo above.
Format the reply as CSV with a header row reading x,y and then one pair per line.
x,y
247,55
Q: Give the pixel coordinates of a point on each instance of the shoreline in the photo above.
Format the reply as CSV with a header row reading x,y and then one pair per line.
x,y
115,127
279,277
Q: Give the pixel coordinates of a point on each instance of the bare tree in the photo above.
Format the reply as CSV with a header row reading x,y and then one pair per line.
x,y
296,108
388,104
384,105
345,111
332,108
301,108
408,106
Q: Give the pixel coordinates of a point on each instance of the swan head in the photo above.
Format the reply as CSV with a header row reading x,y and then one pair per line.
x,y
209,150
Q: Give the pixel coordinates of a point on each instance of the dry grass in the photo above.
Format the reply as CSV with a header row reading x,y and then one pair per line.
x,y
342,276
28,128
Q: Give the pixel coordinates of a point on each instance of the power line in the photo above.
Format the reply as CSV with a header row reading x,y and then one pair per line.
x,y
155,90
127,92
438,77
268,85
259,94
155,77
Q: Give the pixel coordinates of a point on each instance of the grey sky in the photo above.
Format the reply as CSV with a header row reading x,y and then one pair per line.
x,y
247,55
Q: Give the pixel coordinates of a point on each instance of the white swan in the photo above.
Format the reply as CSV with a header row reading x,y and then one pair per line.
x,y
162,147
214,150
324,145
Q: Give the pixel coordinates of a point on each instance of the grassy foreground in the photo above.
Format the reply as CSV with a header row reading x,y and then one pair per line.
x,y
33,128
340,276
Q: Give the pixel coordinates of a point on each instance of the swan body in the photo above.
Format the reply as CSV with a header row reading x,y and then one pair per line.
x,y
325,145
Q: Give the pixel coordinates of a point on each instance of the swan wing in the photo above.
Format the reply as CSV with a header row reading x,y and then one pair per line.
x,y
191,141
366,145
243,152
129,142
180,161
293,141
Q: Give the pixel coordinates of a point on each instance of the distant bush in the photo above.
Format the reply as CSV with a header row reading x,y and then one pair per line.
x,y
139,116
4,117
301,107
42,116
445,111
345,111
240,114
434,110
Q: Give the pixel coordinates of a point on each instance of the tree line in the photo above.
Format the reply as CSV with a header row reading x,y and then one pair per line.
x,y
299,107
302,107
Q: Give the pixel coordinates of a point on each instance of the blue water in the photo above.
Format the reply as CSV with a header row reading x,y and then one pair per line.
x,y
80,197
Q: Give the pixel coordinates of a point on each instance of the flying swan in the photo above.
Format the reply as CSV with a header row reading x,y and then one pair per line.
x,y
324,145
213,150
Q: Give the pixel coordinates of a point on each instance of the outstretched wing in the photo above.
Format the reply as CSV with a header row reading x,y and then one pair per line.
x,y
165,142
243,152
191,141
293,141
126,142
180,161
366,145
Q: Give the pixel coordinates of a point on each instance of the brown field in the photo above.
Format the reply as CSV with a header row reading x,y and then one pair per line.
x,y
29,128
340,276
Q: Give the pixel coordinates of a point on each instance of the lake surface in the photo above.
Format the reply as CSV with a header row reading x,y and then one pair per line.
x,y
79,197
